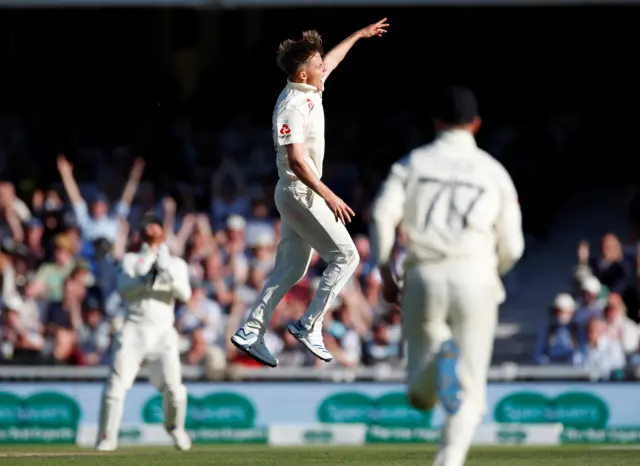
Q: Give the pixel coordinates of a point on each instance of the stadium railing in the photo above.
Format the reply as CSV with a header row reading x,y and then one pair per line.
x,y
507,372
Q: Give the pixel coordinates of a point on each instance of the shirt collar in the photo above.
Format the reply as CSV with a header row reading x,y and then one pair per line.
x,y
302,87
459,137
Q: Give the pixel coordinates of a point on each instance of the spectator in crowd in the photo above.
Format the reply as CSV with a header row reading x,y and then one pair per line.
x,y
259,220
228,189
368,277
34,237
262,252
341,338
13,212
590,303
63,318
201,322
394,324
93,334
49,280
95,221
380,348
602,356
621,328
20,341
235,248
561,338
612,269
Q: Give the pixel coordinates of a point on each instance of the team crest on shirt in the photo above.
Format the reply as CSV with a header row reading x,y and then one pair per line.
x,y
310,104
285,130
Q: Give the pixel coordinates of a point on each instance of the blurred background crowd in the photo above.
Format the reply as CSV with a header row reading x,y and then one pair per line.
x,y
172,114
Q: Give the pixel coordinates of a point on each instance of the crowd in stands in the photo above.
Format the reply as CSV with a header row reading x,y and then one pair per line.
x,y
595,326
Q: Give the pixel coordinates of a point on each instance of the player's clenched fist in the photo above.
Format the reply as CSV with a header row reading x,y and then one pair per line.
x,y
339,208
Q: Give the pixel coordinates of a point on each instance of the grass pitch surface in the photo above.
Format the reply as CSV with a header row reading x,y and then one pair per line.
x,y
317,455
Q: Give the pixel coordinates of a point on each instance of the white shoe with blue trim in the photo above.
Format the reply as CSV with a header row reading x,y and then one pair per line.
x,y
312,340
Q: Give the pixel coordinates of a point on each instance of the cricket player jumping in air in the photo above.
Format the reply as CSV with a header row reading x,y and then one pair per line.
x,y
313,217
459,211
149,282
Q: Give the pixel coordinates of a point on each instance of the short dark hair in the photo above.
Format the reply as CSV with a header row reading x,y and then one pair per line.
x,y
293,54
455,105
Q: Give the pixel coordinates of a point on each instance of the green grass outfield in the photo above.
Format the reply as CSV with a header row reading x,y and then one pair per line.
x,y
317,455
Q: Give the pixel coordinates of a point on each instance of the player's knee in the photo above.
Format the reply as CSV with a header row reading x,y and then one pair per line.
x,y
299,268
115,390
349,257
175,393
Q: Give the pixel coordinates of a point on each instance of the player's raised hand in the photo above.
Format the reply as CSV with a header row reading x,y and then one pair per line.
x,y
340,209
375,29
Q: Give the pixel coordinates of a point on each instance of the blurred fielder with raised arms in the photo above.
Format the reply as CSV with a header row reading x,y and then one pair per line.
x,y
313,217
459,211
149,283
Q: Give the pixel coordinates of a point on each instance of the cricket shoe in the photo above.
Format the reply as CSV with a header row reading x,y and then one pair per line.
x,y
447,383
253,344
106,445
311,339
181,439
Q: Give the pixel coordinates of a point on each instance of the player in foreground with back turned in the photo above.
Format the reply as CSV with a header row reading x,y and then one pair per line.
x,y
313,217
459,211
149,283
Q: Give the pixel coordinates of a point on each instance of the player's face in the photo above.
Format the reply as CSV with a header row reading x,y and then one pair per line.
x,y
314,71
153,233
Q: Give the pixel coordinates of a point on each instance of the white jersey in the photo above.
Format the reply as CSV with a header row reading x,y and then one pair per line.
x,y
452,200
298,117
151,304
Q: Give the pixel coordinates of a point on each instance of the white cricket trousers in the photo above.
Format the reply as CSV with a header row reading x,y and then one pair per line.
x,y
307,224
451,299
133,345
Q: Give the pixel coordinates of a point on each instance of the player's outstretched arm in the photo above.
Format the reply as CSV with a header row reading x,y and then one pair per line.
x,y
333,58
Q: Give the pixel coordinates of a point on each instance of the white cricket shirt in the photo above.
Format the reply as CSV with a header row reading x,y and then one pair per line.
x,y
152,304
298,117
452,200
